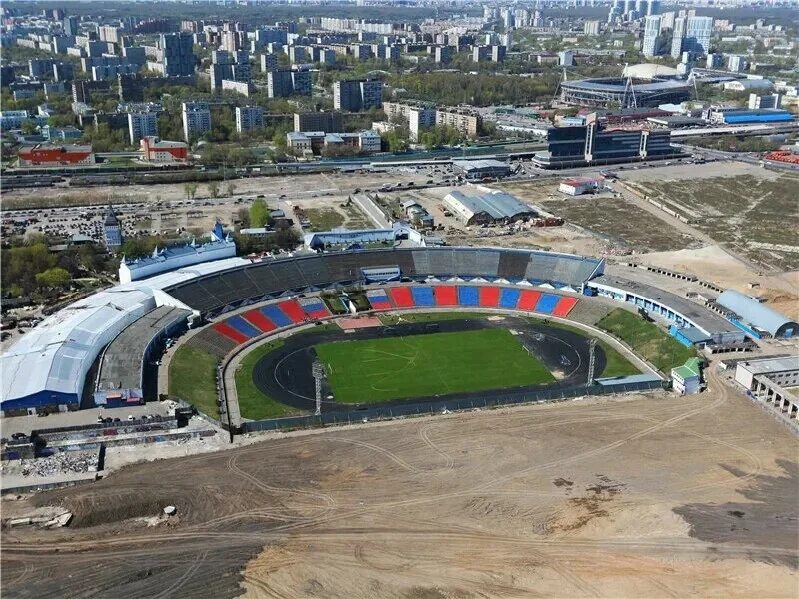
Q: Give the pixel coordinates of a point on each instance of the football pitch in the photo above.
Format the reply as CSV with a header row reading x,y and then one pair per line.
x,y
377,370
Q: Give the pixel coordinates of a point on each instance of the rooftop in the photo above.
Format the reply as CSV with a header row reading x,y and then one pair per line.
x,y
121,366
771,365
704,319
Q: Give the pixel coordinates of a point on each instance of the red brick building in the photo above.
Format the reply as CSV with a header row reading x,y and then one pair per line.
x,y
40,155
154,149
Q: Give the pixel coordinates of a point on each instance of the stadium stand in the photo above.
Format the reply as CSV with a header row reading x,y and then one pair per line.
x,y
257,319
547,303
423,296
242,326
565,305
378,299
468,296
314,307
445,295
489,297
509,298
529,300
212,341
226,290
293,310
228,331
276,315
402,297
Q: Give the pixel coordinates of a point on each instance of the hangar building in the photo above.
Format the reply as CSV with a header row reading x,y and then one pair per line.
x,y
751,316
484,206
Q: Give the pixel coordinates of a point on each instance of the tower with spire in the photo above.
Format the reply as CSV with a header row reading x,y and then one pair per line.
x,y
113,230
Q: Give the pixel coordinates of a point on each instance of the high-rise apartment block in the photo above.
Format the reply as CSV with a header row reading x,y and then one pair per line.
x,y
196,119
249,118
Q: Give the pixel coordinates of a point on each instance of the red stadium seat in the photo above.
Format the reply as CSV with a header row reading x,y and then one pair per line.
x,y
257,319
528,300
446,295
402,297
564,306
229,332
489,296
293,310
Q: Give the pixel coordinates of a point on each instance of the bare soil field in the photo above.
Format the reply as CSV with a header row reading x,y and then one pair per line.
x,y
752,214
269,186
636,497
621,225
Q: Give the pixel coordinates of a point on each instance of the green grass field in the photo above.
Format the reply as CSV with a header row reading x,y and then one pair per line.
x,y
192,378
378,370
646,339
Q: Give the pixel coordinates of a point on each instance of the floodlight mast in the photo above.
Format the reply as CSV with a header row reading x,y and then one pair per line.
x,y
318,372
591,360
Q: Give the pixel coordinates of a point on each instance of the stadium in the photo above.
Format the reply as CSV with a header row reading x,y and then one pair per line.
x,y
621,92
395,330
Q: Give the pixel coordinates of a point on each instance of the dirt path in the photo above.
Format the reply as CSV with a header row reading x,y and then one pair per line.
x,y
641,497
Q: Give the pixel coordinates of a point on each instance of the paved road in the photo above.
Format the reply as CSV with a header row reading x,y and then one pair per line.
x,y
371,210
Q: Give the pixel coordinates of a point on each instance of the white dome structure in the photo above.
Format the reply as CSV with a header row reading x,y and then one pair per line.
x,y
649,71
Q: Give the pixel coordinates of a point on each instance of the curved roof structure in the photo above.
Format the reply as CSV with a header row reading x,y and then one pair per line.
x,y
757,314
48,365
624,92
649,71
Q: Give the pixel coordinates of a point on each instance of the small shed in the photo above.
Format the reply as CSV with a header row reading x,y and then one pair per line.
x,y
686,379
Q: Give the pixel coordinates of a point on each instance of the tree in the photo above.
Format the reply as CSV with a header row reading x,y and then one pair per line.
x,y
53,278
213,189
29,127
259,213
190,189
231,188
244,218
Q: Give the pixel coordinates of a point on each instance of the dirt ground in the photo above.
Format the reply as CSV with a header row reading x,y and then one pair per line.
x,y
712,263
637,497
102,194
752,211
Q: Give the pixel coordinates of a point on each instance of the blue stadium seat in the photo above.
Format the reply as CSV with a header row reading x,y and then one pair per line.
x,y
276,315
468,296
508,298
242,326
547,303
423,296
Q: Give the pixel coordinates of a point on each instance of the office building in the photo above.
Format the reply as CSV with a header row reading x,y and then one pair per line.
x,y
196,120
142,124
326,122
591,144
357,94
249,118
